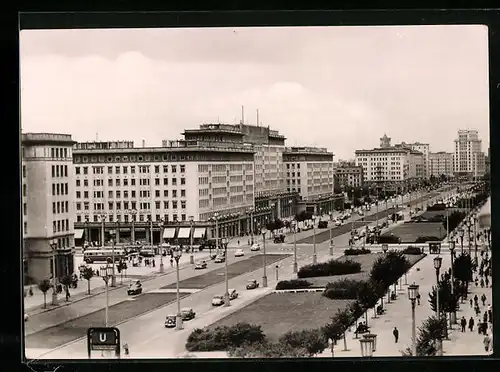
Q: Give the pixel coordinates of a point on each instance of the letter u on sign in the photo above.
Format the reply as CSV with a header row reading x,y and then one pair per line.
x,y
102,337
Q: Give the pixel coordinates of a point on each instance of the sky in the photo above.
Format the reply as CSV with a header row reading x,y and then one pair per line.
x,y
336,87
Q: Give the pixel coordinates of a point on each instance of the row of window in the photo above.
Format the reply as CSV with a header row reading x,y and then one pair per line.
x,y
142,194
60,189
133,217
60,226
118,182
124,169
59,171
56,152
60,207
126,204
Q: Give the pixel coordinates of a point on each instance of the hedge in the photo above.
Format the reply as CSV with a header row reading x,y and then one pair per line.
x,y
425,239
293,284
412,250
356,252
389,239
222,338
346,289
330,268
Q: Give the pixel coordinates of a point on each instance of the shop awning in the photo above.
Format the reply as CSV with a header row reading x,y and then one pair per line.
x,y
184,232
199,232
78,233
169,233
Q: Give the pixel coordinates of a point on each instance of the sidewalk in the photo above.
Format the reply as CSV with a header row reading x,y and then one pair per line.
x,y
34,304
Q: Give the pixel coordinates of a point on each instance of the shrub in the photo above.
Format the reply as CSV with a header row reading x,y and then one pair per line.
x,y
330,268
293,284
313,340
436,207
425,239
266,349
222,338
389,239
44,286
356,252
322,224
412,250
346,289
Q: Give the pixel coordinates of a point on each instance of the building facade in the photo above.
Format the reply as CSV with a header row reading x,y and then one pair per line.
x,y
424,148
133,189
48,196
441,163
468,159
348,174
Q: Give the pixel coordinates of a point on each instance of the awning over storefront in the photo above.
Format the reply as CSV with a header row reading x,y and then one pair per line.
x,y
78,233
169,233
184,232
199,232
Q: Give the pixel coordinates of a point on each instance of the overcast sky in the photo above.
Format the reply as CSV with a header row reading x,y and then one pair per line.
x,y
335,87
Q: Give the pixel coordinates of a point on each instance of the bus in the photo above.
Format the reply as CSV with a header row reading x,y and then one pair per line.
x,y
102,255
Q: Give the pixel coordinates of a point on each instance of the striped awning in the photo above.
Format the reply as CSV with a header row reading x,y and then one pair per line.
x,y
169,233
199,232
184,232
78,233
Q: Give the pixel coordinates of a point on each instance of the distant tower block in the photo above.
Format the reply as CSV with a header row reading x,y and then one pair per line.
x,y
385,141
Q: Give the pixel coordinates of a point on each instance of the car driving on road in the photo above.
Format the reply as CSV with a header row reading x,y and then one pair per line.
x,y
187,313
239,253
252,284
255,247
201,265
134,288
170,321
220,259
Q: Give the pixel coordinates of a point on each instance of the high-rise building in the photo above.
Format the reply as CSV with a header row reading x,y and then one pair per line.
x,y
48,196
348,174
309,171
468,160
441,163
424,148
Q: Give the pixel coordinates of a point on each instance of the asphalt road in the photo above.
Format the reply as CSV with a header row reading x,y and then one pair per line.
x,y
74,329
233,270
359,222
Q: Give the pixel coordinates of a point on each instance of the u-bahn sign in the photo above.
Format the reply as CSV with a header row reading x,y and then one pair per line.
x,y
434,247
103,338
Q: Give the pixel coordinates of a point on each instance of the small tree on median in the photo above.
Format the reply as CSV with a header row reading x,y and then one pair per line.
x,y
66,281
87,274
121,267
44,286
313,340
462,270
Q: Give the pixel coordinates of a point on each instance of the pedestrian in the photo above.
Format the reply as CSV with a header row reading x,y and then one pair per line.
x,y
171,262
490,316
485,317
480,327
487,282
481,283
471,324
418,299
476,282
475,299
470,301
67,294
30,291
154,263
238,243
477,310
395,333
483,299
463,323
126,349
486,342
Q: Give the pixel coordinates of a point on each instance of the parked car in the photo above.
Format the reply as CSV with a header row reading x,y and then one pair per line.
x,y
338,222
252,284
279,238
200,265
233,294
170,321
239,253
255,247
322,224
219,259
187,313
134,288
218,300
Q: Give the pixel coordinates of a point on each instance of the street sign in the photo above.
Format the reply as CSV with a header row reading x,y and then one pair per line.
x,y
435,247
103,338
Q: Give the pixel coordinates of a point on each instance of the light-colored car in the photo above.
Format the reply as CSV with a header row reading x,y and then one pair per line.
x,y
201,265
255,247
239,253
338,223
361,213
220,259
134,288
170,321
218,300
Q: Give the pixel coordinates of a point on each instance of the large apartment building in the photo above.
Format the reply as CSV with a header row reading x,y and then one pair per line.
x,y
390,163
48,195
468,160
309,171
348,174
441,163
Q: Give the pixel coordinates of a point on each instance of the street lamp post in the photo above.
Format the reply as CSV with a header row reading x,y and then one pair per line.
x,y
191,251
103,217
412,295
178,318
461,234
330,228
251,226
216,218
108,270
53,246
133,212
470,238
161,224
474,220
385,247
264,263
226,278
437,265
113,276
314,240
295,266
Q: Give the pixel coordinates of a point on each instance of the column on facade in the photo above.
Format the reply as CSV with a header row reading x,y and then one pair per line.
x,y
147,234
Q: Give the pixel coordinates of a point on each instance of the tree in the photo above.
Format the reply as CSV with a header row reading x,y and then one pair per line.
x,y
448,302
338,325
44,286
66,281
313,340
87,274
462,270
389,268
